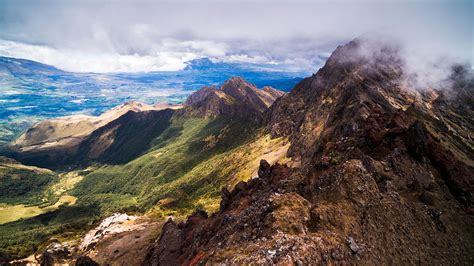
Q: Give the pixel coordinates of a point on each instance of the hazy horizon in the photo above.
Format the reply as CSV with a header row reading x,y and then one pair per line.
x,y
137,36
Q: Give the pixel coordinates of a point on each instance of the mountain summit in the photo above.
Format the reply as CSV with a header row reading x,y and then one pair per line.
x,y
364,100
236,98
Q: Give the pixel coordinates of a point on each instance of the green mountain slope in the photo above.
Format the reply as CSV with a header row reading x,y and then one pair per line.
x,y
20,184
186,169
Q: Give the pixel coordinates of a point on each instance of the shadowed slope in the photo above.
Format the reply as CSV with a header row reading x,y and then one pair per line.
x,y
117,136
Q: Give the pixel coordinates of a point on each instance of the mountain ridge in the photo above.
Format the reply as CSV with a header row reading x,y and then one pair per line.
x,y
63,141
381,178
235,98
25,66
31,91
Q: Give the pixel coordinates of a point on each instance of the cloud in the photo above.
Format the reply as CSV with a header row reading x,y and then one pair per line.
x,y
167,59
111,36
165,55
419,70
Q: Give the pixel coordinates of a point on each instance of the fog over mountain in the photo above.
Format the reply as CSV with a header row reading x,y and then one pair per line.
x,y
134,36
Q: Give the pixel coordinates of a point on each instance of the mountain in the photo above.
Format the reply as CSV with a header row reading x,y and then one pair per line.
x,y
141,160
235,98
366,103
80,139
125,132
381,173
22,67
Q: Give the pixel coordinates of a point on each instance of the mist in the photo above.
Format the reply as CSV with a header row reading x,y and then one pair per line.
x,y
134,36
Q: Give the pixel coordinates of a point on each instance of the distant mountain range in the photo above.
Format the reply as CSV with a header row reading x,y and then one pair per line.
x,y
31,91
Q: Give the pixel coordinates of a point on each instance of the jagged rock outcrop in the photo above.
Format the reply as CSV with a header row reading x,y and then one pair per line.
x,y
55,253
385,177
236,98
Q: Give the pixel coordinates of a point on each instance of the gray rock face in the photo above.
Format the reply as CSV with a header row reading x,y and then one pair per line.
x,y
55,253
110,225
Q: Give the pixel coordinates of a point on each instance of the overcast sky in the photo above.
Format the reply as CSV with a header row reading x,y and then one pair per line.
x,y
112,36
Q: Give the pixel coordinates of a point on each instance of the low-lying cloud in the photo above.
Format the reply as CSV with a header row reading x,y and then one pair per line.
x,y
131,36
102,62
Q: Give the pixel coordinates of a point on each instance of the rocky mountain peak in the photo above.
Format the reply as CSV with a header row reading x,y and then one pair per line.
x,y
357,80
199,95
236,84
236,98
359,102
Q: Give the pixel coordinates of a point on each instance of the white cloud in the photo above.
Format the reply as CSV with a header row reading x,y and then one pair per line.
x,y
166,55
145,35
172,55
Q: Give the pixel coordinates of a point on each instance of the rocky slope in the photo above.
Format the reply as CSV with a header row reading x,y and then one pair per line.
x,y
385,175
236,98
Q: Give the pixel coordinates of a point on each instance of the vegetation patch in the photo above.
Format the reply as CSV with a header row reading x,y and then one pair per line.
x,y
20,184
10,213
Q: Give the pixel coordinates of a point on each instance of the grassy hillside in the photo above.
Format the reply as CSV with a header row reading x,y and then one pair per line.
x,y
185,168
23,237
26,200
20,184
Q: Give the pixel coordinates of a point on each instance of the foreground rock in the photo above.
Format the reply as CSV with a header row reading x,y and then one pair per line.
x,y
55,253
120,239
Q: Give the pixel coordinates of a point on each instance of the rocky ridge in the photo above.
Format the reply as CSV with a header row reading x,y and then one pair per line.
x,y
236,98
385,177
